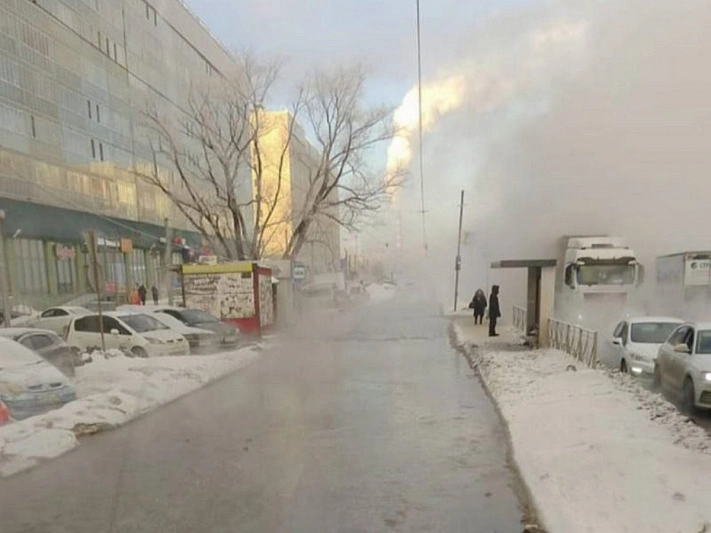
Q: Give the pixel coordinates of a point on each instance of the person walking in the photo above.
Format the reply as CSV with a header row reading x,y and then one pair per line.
x,y
478,304
494,310
154,292
142,293
133,297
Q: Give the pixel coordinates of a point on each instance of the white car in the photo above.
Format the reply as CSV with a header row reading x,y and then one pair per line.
x,y
683,366
637,341
201,340
136,333
58,318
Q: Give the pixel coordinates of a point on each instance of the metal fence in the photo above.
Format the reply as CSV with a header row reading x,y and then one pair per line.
x,y
520,319
575,340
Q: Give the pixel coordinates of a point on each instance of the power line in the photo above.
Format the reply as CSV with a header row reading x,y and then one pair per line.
x,y
419,127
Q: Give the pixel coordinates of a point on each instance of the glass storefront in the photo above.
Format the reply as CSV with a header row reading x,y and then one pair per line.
x,y
31,267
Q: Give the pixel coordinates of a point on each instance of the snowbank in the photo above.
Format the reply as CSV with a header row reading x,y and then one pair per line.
x,y
598,452
380,292
111,391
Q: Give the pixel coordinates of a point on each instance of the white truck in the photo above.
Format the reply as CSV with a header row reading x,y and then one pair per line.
x,y
594,277
684,285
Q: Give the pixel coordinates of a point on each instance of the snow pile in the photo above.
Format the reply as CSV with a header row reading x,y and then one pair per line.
x,y
112,390
597,451
380,292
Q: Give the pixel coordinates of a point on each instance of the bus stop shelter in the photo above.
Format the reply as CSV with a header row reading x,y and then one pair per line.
x,y
540,292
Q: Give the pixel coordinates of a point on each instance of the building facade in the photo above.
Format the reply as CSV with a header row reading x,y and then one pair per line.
x,y
74,76
288,169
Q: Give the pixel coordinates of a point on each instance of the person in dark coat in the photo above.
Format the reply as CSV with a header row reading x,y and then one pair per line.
x,y
142,292
479,305
154,292
494,310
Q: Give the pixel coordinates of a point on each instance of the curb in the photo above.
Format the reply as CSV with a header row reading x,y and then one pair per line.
x,y
531,514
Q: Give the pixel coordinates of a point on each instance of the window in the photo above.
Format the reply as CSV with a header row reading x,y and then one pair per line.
x,y
652,332
31,274
88,324
115,54
108,48
110,323
703,344
98,114
151,14
49,313
40,342
143,323
66,275
93,149
137,266
88,107
101,151
34,128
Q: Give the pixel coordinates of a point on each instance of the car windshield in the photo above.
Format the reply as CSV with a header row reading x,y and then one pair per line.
x,y
143,323
703,341
13,354
652,332
606,274
196,316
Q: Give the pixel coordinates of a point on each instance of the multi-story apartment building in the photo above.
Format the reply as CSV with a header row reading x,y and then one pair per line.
x,y
291,178
73,77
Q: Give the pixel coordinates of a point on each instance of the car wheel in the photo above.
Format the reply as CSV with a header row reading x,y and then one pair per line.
x,y
657,379
623,366
688,398
139,352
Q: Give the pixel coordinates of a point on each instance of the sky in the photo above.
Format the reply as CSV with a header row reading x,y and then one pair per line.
x,y
556,117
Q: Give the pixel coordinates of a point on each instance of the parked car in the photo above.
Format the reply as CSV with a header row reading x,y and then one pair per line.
x,y
201,340
683,366
638,340
228,334
58,318
137,334
45,343
29,385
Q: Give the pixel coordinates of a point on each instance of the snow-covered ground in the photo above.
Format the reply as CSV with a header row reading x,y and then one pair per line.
x,y
111,391
598,452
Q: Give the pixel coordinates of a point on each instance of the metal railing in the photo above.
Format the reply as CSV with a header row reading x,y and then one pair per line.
x,y
574,340
520,319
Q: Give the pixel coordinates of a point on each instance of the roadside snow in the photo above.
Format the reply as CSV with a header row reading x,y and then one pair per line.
x,y
112,390
598,452
380,292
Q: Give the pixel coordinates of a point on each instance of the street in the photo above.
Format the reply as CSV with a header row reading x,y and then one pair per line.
x,y
366,420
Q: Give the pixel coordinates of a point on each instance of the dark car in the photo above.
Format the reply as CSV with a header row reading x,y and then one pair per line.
x,y
195,318
45,343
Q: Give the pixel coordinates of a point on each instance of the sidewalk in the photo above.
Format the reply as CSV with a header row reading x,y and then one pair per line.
x,y
599,453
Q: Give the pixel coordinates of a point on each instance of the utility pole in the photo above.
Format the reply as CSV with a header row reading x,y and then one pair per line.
x,y
4,286
97,286
167,262
458,261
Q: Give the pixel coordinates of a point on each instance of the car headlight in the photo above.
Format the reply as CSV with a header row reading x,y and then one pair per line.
x,y
11,388
706,376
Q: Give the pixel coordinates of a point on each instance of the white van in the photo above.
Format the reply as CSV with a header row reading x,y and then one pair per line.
x,y
135,333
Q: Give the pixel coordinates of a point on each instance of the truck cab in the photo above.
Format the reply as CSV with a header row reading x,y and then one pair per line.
x,y
600,265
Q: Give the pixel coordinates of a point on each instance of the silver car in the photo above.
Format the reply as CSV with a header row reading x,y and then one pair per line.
x,y
29,385
683,366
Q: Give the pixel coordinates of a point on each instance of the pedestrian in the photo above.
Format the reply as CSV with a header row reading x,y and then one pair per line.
x,y
478,304
494,310
142,293
154,292
133,297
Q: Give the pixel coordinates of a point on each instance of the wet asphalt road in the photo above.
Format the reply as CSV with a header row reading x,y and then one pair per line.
x,y
363,422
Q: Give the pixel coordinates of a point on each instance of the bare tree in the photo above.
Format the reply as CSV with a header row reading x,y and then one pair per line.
x,y
341,186
207,159
223,161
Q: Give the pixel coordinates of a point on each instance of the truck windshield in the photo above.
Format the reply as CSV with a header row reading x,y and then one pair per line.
x,y
606,274
652,332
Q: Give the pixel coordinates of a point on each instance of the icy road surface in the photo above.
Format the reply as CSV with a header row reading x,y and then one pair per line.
x,y
366,421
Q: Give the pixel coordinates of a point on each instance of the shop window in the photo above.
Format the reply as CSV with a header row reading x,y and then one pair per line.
x,y
31,269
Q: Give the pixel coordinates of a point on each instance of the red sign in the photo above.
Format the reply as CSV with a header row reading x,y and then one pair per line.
x,y
64,252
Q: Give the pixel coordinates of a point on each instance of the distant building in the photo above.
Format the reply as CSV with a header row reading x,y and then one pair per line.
x,y
288,172
73,76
